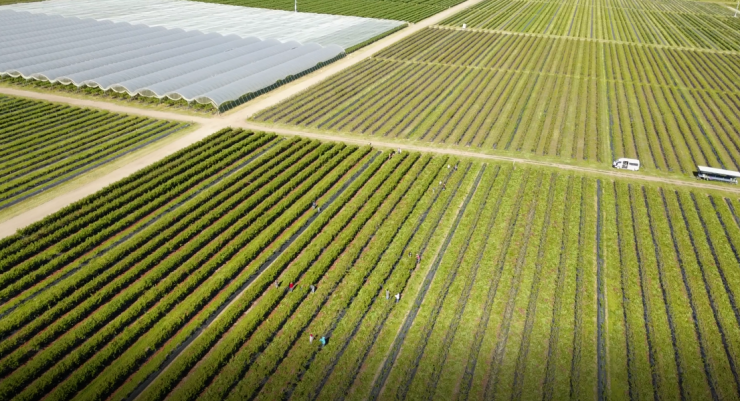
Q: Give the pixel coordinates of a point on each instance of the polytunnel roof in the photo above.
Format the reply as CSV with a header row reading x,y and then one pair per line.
x,y
245,22
151,61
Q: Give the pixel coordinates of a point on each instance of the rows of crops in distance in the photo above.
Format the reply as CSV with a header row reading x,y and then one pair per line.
x,y
651,65
401,10
555,97
43,144
175,282
669,23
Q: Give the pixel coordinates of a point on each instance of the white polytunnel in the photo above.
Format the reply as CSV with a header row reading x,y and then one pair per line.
x,y
151,61
324,29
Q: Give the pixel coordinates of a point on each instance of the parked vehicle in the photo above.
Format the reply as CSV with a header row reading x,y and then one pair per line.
x,y
717,174
629,164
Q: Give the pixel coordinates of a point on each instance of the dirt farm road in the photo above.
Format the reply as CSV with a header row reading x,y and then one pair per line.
x,y
238,119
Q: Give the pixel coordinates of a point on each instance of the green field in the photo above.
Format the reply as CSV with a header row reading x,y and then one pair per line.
x,y
524,84
532,283
671,23
43,145
401,10
214,273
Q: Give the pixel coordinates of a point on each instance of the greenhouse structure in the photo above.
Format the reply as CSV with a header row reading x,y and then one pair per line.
x,y
202,55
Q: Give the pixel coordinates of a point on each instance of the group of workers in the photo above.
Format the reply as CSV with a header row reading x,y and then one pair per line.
x,y
322,340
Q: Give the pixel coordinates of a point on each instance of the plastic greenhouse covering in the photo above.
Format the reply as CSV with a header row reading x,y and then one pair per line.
x,y
150,61
245,22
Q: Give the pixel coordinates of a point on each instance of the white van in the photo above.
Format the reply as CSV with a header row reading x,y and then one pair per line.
x,y
629,164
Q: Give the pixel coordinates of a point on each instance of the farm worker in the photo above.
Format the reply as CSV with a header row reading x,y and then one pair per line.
x,y
418,258
398,297
323,341
387,294
448,167
313,288
291,287
318,208
276,284
310,339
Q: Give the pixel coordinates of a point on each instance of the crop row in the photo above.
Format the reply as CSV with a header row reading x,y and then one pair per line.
x,y
69,230
294,263
402,10
252,268
358,335
620,61
676,322
676,346
65,255
118,308
439,352
298,178
275,270
639,22
350,271
456,378
419,324
83,224
45,145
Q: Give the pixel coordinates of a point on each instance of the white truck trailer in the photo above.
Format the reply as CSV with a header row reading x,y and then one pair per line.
x,y
717,174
